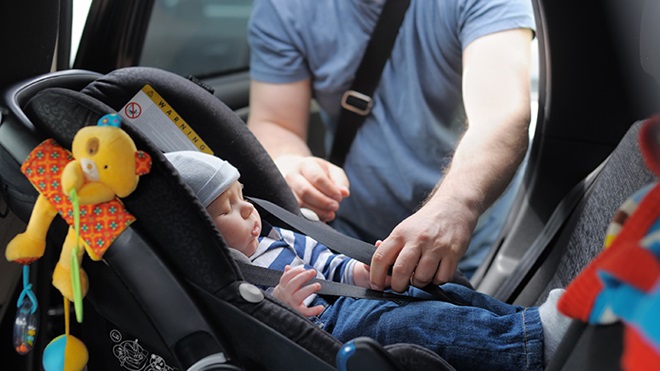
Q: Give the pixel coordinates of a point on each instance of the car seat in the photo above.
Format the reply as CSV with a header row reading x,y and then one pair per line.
x,y
168,291
584,218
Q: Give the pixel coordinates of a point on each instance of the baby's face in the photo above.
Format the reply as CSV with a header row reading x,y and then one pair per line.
x,y
236,219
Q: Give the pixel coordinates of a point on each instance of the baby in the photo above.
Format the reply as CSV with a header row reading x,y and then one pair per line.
x,y
482,333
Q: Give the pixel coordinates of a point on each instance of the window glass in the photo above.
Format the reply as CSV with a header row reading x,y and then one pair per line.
x,y
534,86
198,37
80,10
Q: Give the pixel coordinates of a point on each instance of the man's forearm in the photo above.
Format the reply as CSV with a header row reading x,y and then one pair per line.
x,y
496,97
278,116
483,165
279,141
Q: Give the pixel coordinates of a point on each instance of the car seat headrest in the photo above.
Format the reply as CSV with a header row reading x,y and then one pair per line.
x,y
220,128
650,39
167,212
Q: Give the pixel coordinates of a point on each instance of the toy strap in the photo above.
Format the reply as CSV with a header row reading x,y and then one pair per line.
x,y
75,265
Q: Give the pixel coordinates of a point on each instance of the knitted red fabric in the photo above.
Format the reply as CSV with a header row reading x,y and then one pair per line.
x,y
578,300
636,266
581,293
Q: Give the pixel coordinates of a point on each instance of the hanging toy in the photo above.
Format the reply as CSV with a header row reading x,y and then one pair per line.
x,y
83,187
103,165
27,317
65,352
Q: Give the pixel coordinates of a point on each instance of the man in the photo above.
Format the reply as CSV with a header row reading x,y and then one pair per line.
x,y
458,73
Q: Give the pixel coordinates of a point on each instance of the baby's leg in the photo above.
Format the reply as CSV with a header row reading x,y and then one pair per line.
x,y
495,335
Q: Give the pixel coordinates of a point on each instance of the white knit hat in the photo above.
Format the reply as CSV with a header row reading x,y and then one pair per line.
x,y
207,175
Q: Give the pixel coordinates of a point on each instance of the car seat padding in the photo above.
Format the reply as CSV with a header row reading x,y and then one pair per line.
x,y
165,210
179,228
171,218
216,124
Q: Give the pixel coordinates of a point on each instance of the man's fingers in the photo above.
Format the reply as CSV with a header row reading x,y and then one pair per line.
x,y
310,197
383,258
404,267
317,184
426,270
319,176
445,271
339,178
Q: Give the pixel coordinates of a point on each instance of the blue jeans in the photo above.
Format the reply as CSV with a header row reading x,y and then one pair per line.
x,y
483,334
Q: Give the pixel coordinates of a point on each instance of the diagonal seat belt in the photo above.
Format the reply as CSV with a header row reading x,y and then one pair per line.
x,y
533,257
340,243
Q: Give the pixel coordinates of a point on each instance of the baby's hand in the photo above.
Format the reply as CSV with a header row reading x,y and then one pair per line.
x,y
361,275
292,290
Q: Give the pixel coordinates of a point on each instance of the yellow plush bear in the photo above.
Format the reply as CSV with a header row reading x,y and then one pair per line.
x,y
104,164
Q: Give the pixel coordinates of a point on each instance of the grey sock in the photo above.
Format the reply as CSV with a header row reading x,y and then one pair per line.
x,y
554,324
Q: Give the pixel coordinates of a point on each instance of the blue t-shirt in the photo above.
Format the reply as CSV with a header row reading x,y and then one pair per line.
x,y
418,114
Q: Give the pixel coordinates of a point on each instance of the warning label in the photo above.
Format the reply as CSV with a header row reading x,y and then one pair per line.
x,y
150,114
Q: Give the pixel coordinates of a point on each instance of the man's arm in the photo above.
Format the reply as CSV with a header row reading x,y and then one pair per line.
x,y
427,246
279,116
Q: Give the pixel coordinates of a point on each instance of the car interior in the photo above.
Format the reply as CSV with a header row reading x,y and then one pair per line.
x,y
596,83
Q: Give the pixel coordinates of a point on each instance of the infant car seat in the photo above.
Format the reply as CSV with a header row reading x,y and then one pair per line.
x,y
168,293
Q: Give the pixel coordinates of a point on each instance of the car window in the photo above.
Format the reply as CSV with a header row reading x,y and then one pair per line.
x,y
80,10
198,37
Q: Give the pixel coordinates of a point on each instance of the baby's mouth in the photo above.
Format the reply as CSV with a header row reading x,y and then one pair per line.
x,y
256,230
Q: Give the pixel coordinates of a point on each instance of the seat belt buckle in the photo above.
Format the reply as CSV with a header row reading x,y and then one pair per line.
x,y
357,102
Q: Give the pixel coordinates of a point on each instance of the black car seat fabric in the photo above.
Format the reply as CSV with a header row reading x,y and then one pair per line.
x,y
221,129
174,223
173,220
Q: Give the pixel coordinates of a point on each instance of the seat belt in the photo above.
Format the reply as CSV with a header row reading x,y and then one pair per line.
x,y
267,277
338,242
356,102
531,259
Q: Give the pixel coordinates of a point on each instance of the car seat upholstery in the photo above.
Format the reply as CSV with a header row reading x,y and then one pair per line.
x,y
582,237
169,280
594,347
578,241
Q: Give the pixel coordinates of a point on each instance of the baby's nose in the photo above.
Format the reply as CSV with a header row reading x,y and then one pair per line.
x,y
246,209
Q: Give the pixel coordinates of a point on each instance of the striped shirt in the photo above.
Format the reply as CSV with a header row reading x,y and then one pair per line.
x,y
281,247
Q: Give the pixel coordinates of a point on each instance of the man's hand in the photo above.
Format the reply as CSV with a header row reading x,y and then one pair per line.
x,y
292,290
361,273
426,247
279,116
317,184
